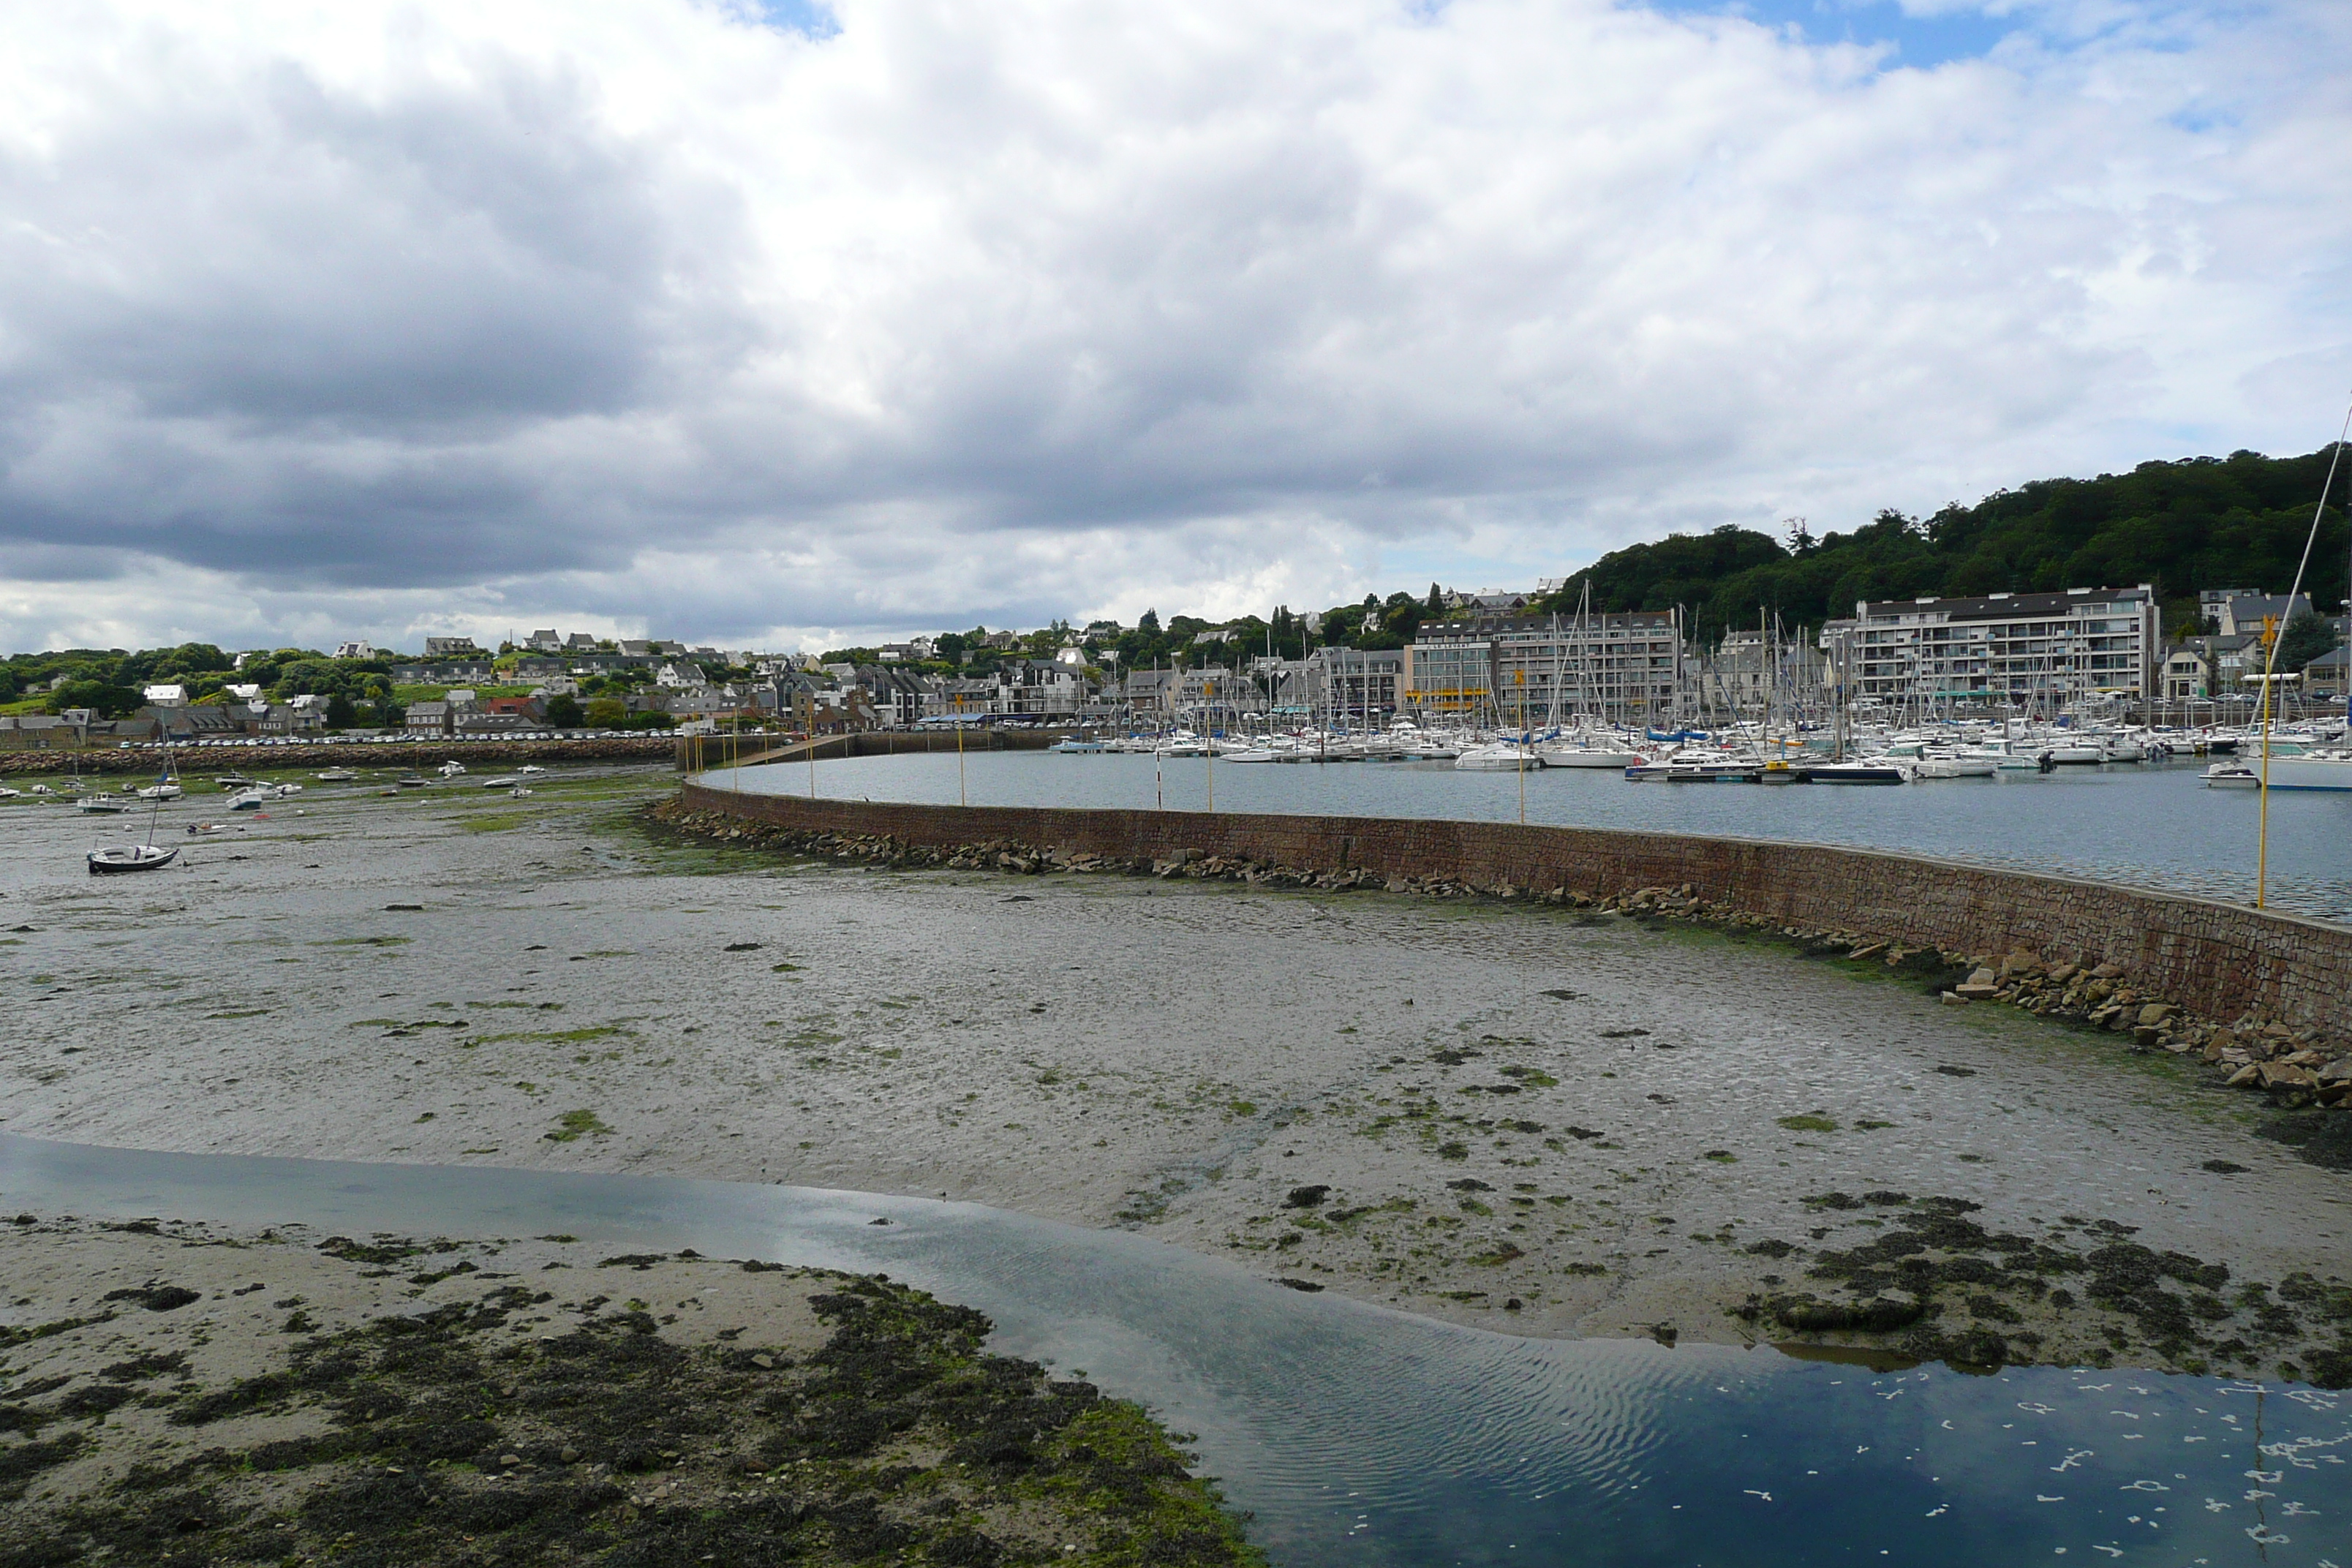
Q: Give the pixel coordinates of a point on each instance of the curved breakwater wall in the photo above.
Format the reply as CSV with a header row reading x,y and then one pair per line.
x,y
2220,960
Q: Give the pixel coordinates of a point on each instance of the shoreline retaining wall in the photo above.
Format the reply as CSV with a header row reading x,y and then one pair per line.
x,y
2221,961
696,752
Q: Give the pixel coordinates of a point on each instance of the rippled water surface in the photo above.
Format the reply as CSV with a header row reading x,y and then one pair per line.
x,y
2151,824
1360,1437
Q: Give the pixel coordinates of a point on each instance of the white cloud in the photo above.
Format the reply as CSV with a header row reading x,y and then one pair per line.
x,y
315,320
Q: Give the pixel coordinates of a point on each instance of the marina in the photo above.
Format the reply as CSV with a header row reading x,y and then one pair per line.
x,y
2149,823
1377,1419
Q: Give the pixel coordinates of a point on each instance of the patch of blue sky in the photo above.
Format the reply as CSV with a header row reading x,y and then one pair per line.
x,y
2198,119
810,16
1917,38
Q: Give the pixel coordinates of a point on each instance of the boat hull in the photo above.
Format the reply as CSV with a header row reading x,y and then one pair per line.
x,y
1855,774
139,857
2314,774
1612,760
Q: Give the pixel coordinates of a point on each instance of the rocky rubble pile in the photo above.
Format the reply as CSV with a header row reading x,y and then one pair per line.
x,y
2297,1067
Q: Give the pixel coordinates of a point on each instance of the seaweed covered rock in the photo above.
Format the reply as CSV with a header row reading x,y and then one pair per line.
x,y
428,1438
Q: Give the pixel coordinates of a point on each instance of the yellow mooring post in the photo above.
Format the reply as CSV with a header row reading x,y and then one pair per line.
x,y
1519,677
2270,659
2263,789
1209,742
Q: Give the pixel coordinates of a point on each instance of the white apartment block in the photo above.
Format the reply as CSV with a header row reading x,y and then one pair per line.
x,y
2004,648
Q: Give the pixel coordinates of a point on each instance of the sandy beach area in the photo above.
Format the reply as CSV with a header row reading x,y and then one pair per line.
x,y
1533,1121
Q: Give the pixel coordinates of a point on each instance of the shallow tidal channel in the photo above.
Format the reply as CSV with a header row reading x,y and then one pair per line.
x,y
1087,1106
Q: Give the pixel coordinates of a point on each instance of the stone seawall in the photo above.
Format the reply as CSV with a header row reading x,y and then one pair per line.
x,y
2220,961
693,754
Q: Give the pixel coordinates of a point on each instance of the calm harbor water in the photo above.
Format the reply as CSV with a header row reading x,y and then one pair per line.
x,y
1359,1436
2147,824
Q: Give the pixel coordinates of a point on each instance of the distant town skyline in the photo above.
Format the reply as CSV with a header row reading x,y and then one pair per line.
x,y
800,326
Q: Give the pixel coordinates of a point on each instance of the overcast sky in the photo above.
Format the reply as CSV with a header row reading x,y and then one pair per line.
x,y
791,326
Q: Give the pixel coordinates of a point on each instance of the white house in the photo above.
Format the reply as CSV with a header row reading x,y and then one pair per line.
x,y
166,696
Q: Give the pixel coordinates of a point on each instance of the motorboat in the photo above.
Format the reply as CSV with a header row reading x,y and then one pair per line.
x,y
339,775
9,794
164,789
452,768
519,791
253,799
100,805
531,768
1499,757
130,857
410,781
504,781
1950,764
42,789
1072,746
1696,765
2312,771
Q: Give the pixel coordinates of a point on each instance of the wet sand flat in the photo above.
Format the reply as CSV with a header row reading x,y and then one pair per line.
x,y
180,1394
1444,1106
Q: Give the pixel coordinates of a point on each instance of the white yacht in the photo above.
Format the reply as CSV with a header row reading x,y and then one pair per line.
x,y
1696,765
2310,770
1587,751
1499,757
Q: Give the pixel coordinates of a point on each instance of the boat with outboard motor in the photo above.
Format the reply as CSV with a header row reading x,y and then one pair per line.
x,y
2330,770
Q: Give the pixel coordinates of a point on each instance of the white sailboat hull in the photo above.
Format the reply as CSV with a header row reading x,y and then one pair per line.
x,y
2286,773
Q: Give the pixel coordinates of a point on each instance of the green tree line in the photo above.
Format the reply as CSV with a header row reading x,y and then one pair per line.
x,y
2238,521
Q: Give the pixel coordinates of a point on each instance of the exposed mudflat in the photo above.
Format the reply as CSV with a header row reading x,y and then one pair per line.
x,y
1623,1131
179,1395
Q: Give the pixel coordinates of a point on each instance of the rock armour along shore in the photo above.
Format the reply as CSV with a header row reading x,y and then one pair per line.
x,y
2282,1051
339,753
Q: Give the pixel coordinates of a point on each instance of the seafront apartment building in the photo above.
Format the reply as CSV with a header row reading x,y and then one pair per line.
x,y
1625,667
2005,647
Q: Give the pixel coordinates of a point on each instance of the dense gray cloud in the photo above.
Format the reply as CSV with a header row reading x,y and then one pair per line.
x,y
317,321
